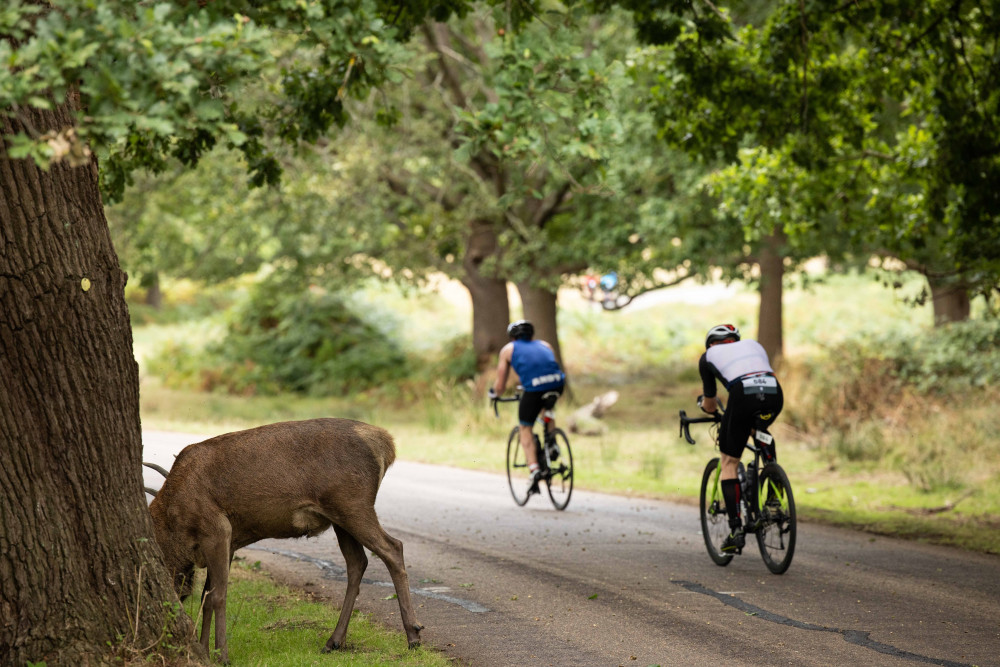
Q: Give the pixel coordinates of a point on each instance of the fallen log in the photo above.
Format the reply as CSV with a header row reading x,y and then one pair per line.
x,y
587,420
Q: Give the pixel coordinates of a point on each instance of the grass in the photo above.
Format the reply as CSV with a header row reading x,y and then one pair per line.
x,y
273,626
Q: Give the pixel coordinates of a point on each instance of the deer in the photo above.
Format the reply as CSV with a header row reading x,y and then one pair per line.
x,y
289,479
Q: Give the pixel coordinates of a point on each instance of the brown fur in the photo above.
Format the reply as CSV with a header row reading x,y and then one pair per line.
x,y
281,480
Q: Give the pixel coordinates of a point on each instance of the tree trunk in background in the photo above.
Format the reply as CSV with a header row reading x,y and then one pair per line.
x,y
80,574
540,309
951,303
770,332
151,283
490,306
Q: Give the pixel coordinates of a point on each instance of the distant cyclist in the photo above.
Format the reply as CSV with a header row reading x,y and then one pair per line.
x,y
543,380
744,369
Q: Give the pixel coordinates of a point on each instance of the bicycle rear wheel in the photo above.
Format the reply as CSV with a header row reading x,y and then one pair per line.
x,y
518,475
776,534
714,519
560,482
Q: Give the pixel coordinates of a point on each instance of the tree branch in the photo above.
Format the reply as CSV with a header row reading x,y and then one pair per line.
x,y
434,33
401,184
805,66
550,205
625,299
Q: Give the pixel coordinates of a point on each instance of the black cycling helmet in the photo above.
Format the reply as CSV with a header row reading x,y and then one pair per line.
x,y
521,330
721,332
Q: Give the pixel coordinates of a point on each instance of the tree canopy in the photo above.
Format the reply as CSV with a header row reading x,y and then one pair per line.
x,y
861,127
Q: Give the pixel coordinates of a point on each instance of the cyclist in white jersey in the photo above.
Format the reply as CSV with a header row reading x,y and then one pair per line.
x,y
755,396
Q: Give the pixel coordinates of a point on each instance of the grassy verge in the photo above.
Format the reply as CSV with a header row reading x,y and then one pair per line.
x,y
273,626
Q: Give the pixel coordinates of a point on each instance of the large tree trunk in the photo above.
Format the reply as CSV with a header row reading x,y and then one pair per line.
x,y
951,302
770,332
80,574
540,308
490,306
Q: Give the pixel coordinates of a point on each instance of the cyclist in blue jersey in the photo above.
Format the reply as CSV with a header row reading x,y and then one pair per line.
x,y
543,380
755,396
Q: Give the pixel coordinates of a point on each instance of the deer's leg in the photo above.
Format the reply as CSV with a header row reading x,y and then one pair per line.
x,y
357,562
216,548
367,530
206,612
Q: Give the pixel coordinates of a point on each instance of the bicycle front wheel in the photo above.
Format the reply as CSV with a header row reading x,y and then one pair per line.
x,y
714,519
560,460
518,475
776,534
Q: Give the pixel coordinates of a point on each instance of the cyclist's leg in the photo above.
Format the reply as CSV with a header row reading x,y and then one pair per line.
x,y
770,407
527,412
548,404
528,445
733,434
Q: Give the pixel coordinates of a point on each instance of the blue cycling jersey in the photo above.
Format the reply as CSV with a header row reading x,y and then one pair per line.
x,y
536,366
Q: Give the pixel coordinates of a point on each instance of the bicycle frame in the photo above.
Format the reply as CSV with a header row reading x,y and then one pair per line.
x,y
762,446
545,417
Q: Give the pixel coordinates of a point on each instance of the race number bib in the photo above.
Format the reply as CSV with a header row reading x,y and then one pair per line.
x,y
760,384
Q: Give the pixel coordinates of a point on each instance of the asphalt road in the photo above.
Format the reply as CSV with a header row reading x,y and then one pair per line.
x,y
620,581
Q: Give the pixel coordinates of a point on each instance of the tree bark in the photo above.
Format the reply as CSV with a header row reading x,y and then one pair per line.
x,y
80,573
770,329
490,305
540,309
951,302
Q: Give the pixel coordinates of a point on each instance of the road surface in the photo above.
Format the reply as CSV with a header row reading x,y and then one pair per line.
x,y
620,581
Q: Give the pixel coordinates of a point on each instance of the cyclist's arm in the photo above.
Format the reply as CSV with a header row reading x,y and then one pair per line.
x,y
503,368
708,384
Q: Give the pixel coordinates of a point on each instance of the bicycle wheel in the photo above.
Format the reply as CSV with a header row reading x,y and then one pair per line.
x,y
714,520
776,534
560,481
517,468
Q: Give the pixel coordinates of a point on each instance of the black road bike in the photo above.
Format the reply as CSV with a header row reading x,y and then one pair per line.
x,y
555,459
768,503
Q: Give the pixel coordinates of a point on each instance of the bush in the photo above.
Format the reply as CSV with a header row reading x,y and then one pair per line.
x,y
950,358
855,377
885,400
305,342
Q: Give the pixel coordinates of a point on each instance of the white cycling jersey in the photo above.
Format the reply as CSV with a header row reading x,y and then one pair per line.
x,y
739,359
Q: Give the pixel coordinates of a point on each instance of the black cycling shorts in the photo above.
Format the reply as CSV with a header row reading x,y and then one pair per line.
x,y
741,415
533,402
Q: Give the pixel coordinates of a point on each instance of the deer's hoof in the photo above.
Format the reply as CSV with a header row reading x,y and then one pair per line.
x,y
330,647
415,643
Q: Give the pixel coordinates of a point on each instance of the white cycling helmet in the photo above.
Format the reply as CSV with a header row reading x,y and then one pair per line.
x,y
720,333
